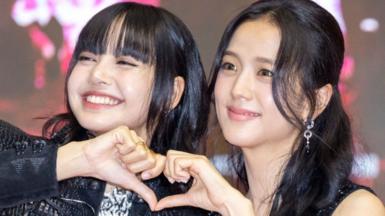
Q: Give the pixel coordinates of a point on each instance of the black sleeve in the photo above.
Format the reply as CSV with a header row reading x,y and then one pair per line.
x,y
27,166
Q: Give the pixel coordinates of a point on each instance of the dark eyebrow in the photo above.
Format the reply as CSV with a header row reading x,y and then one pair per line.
x,y
258,58
230,53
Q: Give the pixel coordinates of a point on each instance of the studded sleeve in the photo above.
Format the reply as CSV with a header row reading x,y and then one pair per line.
x,y
27,166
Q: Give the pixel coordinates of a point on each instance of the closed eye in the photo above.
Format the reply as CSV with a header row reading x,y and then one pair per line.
x,y
126,63
86,58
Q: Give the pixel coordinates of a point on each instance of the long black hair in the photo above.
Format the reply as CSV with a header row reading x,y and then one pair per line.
x,y
155,36
310,56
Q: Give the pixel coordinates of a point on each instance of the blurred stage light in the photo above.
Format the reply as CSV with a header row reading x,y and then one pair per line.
x,y
369,25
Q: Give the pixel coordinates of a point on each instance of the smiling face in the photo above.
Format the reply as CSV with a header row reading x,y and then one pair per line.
x,y
105,91
244,100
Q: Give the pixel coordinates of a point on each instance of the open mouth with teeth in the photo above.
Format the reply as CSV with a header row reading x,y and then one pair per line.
x,y
95,101
101,100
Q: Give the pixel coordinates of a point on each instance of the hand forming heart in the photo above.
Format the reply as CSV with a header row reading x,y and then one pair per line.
x,y
209,191
117,156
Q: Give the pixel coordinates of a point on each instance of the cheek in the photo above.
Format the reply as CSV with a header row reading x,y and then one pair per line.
x,y
271,111
76,79
278,126
136,90
222,89
72,86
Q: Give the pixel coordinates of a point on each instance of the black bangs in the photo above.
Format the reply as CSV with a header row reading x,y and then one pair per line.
x,y
121,32
156,37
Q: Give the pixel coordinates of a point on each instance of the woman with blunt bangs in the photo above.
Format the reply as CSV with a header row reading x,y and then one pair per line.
x,y
275,84
135,86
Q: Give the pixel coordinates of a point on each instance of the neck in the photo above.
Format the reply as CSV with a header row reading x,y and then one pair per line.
x,y
264,165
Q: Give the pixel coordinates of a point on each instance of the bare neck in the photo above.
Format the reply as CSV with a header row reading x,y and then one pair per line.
x,y
263,166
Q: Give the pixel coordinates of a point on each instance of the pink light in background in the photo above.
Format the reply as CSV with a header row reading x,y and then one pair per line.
x,y
367,166
52,27
71,15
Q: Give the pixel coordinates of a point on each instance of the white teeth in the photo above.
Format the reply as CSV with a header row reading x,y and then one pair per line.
x,y
101,100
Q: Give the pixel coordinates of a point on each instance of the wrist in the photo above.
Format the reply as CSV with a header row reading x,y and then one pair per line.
x,y
238,205
71,161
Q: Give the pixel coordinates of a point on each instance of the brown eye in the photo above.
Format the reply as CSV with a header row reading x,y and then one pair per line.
x,y
228,66
265,72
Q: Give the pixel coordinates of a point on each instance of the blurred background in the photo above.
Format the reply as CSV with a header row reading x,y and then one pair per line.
x,y
37,38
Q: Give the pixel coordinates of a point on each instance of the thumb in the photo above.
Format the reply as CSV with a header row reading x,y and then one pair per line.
x,y
157,170
142,190
173,201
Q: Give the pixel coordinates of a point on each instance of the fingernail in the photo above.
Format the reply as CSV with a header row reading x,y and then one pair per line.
x,y
146,175
171,180
182,180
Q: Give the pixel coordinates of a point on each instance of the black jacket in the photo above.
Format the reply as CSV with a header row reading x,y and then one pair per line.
x,y
28,184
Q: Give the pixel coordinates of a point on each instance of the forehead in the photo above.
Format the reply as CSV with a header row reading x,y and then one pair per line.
x,y
118,35
256,39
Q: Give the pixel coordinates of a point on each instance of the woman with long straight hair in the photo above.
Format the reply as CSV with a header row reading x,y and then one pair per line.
x,y
135,86
275,86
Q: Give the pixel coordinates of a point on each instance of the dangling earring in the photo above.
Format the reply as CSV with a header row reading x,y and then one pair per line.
x,y
308,134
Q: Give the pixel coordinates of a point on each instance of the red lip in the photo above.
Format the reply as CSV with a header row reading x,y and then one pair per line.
x,y
240,114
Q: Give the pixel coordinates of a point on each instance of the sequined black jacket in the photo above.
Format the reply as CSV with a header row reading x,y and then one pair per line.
x,y
28,184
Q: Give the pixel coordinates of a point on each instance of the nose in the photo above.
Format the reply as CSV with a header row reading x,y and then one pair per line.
x,y
242,86
100,74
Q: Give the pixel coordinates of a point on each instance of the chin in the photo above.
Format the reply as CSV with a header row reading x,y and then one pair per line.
x,y
240,141
95,126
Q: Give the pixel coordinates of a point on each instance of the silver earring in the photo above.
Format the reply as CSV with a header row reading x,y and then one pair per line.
x,y
308,134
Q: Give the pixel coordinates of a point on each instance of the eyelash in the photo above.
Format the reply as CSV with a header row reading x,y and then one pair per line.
x,y
226,65
265,72
121,62
127,63
85,58
231,67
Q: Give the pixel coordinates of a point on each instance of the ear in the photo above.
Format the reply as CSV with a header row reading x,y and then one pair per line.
x,y
178,91
323,97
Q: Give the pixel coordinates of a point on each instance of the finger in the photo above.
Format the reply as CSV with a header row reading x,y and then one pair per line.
x,y
172,162
166,170
128,142
142,190
160,162
173,201
135,138
170,167
166,173
140,153
172,171
181,172
201,168
125,148
140,166
195,166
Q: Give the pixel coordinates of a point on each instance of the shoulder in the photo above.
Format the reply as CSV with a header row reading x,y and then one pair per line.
x,y
360,202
